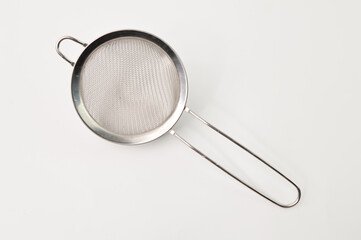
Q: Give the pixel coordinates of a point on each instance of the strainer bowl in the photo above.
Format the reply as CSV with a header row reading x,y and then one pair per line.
x,y
126,97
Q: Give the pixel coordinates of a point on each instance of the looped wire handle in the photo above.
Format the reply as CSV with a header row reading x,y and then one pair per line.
x,y
247,150
69,38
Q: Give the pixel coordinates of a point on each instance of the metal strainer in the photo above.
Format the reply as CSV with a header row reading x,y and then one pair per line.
x,y
130,87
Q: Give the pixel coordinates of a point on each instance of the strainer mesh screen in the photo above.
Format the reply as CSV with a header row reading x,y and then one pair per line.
x,y
129,86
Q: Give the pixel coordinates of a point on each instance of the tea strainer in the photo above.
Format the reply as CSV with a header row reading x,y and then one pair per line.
x,y
130,87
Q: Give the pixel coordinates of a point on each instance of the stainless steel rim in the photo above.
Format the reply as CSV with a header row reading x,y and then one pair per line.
x,y
129,139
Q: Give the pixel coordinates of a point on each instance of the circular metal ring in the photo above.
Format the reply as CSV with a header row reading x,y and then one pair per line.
x,y
129,139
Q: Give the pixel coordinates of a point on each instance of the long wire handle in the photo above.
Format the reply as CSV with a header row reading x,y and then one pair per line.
x,y
247,150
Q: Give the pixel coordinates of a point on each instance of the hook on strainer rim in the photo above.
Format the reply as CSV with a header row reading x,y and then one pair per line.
x,y
130,87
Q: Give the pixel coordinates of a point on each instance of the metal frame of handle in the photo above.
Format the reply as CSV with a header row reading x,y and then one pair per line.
x,y
68,38
247,150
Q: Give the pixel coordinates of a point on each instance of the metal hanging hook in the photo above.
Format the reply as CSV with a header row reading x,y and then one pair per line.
x,y
247,150
69,38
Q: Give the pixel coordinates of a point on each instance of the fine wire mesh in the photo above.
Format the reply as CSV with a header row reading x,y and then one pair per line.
x,y
129,86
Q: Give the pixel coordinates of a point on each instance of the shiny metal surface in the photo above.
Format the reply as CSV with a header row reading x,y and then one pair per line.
x,y
247,150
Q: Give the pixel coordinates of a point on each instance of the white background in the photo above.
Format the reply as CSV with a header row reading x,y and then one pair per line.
x,y
282,77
